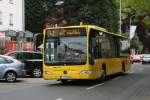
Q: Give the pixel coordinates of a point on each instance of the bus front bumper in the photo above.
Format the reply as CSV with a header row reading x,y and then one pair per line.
x,y
81,75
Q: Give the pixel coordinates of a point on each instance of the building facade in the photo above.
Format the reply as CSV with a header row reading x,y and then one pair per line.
x,y
12,30
11,15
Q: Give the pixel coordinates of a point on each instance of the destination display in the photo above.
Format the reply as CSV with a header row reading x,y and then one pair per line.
x,y
65,32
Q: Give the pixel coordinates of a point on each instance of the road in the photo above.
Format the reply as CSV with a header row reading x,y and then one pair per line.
x,y
135,85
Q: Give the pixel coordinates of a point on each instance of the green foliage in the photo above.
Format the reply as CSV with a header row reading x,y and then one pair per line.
x,y
35,13
138,12
139,7
146,21
2,48
103,13
135,43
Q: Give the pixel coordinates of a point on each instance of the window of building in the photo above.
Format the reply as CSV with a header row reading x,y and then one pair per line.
x,y
0,18
11,1
11,19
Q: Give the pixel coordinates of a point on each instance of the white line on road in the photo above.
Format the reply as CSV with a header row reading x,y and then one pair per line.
x,y
59,99
140,69
91,87
117,78
130,72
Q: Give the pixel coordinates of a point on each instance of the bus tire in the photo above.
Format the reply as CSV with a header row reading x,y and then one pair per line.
x,y
123,68
64,81
103,77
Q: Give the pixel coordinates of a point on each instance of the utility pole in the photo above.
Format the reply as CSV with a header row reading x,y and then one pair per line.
x,y
120,17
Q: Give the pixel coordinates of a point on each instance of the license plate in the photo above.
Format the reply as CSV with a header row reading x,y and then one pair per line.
x,y
65,77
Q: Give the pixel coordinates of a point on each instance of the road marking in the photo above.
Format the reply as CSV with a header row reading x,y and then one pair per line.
x,y
91,87
131,72
59,99
117,78
140,69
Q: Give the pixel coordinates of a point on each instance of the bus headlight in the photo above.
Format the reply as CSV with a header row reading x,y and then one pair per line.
x,y
86,72
47,73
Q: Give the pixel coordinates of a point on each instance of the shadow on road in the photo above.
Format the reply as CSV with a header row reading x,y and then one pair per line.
x,y
17,81
87,82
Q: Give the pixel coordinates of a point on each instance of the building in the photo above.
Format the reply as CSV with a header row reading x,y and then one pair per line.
x,y
12,27
11,15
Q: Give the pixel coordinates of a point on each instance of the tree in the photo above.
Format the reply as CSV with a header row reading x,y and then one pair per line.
x,y
103,13
138,12
35,13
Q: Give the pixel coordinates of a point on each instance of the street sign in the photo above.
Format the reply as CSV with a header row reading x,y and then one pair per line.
x,y
132,31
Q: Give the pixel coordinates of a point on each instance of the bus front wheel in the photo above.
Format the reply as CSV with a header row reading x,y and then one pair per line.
x,y
64,81
123,68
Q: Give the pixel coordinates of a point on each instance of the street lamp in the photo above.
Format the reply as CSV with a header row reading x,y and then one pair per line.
x,y
120,16
58,3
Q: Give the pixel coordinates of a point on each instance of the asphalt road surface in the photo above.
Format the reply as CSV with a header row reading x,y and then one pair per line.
x,y
135,85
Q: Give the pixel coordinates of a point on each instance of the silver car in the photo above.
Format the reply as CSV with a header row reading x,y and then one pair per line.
x,y
11,68
146,58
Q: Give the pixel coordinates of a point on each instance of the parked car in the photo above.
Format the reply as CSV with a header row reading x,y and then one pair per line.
x,y
33,61
136,58
10,68
146,58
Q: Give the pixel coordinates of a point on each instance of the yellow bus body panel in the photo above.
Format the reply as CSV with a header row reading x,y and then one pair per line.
x,y
72,71
113,66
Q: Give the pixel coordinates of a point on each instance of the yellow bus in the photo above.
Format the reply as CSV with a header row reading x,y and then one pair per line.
x,y
85,52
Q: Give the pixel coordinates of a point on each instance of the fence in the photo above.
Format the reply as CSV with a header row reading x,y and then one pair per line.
x,y
20,41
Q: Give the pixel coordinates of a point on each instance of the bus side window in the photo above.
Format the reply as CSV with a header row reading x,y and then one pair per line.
x,y
124,47
96,42
91,51
106,46
92,44
117,47
112,46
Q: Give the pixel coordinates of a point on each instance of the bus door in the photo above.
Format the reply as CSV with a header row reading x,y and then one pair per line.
x,y
94,52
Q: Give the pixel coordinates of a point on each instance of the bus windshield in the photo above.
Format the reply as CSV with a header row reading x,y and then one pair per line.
x,y
65,47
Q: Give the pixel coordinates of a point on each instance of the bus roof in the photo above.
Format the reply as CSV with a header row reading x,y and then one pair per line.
x,y
92,27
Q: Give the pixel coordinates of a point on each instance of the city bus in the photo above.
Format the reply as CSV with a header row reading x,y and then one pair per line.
x,y
84,52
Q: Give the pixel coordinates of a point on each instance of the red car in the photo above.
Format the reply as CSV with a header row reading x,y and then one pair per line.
x,y
136,58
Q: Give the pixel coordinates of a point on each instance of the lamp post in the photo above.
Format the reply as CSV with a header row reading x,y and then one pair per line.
x,y
58,3
120,17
